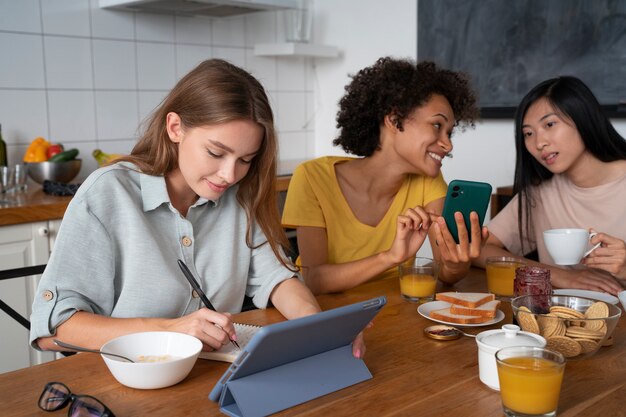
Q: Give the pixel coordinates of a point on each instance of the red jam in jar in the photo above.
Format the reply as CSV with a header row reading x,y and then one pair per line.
x,y
534,280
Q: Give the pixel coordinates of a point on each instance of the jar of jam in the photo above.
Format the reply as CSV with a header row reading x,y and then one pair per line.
x,y
534,280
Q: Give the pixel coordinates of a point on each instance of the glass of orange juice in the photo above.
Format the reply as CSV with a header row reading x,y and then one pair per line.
x,y
418,279
501,274
530,380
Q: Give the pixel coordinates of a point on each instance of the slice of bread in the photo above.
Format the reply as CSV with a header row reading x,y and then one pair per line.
x,y
466,299
446,315
488,309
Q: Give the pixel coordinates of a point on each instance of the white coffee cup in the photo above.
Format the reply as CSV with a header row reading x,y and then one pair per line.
x,y
622,298
568,246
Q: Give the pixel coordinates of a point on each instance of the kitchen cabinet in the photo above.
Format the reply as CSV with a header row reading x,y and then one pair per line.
x,y
21,245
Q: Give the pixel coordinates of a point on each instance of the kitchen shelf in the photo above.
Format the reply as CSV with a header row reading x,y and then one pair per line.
x,y
296,49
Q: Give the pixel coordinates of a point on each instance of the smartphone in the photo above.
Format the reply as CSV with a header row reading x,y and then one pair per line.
x,y
465,196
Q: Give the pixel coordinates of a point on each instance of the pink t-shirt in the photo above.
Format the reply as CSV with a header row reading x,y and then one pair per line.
x,y
561,204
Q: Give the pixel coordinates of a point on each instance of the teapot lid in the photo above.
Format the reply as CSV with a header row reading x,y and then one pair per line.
x,y
511,335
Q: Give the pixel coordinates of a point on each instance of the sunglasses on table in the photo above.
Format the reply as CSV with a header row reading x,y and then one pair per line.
x,y
57,395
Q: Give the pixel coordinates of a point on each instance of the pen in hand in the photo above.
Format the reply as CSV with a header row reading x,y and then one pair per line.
x,y
197,289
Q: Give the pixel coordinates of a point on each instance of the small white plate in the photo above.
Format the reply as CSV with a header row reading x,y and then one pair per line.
x,y
426,308
594,295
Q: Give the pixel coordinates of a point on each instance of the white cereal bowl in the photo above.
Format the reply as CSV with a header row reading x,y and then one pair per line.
x,y
176,354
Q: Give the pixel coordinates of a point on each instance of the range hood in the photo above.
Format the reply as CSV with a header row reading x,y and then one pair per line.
x,y
213,8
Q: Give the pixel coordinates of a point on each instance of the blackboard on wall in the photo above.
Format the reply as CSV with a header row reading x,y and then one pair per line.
x,y
509,46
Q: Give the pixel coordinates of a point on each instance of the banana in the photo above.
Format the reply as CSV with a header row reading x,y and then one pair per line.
x,y
104,158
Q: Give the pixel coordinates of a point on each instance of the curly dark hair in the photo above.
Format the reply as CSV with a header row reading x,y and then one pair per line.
x,y
397,86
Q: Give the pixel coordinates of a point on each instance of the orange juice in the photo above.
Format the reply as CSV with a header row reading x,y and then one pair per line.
x,y
418,285
500,277
530,385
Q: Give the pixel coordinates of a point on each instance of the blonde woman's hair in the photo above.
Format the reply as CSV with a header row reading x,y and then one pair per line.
x,y
213,93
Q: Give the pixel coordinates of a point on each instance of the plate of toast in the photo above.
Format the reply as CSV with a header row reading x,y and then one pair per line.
x,y
463,309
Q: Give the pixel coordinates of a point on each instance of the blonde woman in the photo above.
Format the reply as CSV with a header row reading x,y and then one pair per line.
x,y
198,186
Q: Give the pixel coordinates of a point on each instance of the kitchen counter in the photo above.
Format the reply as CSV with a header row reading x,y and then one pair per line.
x,y
34,205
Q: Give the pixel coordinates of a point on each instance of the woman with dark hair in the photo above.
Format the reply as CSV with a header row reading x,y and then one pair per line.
x,y
198,186
570,172
358,218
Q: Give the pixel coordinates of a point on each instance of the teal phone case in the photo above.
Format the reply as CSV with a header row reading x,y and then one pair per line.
x,y
465,196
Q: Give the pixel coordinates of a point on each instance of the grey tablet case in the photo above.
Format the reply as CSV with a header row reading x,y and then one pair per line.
x,y
295,361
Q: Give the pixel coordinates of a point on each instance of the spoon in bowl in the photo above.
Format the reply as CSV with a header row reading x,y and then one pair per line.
x,y
84,349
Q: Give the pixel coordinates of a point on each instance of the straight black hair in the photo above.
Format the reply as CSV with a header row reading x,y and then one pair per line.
x,y
575,102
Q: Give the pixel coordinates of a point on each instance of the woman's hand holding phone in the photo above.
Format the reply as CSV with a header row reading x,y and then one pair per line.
x,y
465,207
456,257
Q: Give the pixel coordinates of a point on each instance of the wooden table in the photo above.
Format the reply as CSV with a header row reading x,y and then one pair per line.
x,y
413,375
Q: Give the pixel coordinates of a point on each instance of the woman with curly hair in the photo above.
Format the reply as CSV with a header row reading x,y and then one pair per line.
x,y
359,218
570,172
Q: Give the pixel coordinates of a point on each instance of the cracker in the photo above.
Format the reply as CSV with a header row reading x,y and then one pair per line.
x,y
587,345
551,326
595,324
564,345
597,310
528,322
566,312
584,333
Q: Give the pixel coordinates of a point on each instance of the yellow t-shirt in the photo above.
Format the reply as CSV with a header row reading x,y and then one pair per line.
x,y
315,199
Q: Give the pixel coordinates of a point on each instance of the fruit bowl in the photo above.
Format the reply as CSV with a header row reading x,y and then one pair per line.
x,y
574,326
63,172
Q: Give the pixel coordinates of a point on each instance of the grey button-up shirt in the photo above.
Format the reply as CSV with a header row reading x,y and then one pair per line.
x,y
117,249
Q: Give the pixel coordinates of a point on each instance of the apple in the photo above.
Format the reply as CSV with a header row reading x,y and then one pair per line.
x,y
54,149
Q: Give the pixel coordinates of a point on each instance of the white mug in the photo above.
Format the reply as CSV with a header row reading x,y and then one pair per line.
x,y
622,297
568,246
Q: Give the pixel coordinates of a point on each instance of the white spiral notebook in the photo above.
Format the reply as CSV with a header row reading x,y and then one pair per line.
x,y
229,352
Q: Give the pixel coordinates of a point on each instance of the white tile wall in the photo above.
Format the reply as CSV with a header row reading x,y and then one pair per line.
x,y
68,62
148,101
260,28
107,56
80,75
25,16
72,116
156,62
229,31
24,69
193,30
188,56
66,17
263,68
111,24
25,112
154,27
291,114
117,113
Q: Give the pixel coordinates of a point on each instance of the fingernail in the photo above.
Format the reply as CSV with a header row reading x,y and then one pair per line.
x,y
357,354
